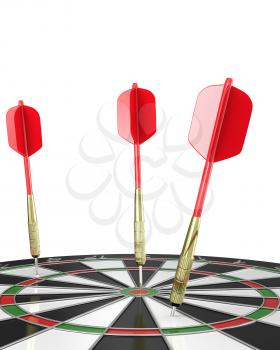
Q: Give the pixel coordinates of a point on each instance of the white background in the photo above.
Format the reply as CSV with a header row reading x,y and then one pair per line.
x,y
69,59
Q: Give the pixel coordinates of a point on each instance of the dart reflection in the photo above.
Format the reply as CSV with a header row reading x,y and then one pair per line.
x,y
139,342
30,330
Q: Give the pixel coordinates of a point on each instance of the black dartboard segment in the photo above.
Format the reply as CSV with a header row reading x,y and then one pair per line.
x,y
94,302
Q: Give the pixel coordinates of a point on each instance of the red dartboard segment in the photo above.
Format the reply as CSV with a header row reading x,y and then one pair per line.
x,y
24,129
7,299
143,331
252,284
272,303
232,323
42,321
31,281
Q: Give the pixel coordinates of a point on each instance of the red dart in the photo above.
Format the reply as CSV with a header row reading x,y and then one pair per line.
x,y
218,130
25,137
136,124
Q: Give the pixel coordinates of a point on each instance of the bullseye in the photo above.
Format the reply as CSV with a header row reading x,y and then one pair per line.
x,y
139,292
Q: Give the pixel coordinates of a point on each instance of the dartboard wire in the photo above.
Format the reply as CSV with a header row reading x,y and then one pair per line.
x,y
253,306
111,269
194,297
212,309
219,275
59,260
156,271
67,273
261,296
130,275
107,294
71,259
166,287
270,323
238,340
124,269
273,310
58,323
215,301
213,329
85,313
110,325
65,299
196,270
106,297
207,308
185,314
197,279
155,320
56,327
58,288
163,296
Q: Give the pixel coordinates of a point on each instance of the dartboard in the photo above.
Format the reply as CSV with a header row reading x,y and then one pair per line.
x,y
94,302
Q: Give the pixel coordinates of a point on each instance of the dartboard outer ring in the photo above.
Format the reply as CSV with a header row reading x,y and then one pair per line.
x,y
95,302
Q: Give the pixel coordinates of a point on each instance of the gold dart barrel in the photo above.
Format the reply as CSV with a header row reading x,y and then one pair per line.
x,y
139,231
33,228
185,263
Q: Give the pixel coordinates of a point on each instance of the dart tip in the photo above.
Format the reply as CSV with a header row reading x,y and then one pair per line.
x,y
173,311
140,276
36,267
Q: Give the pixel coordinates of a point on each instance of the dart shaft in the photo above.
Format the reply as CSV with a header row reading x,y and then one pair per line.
x,y
27,175
185,263
139,232
33,228
204,183
137,165
140,276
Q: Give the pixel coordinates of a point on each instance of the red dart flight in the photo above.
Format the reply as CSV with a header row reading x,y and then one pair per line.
x,y
218,130
136,124
25,137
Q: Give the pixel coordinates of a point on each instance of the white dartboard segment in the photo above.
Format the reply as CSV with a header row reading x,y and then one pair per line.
x,y
50,340
60,304
230,292
82,280
238,310
27,272
161,313
104,316
201,341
